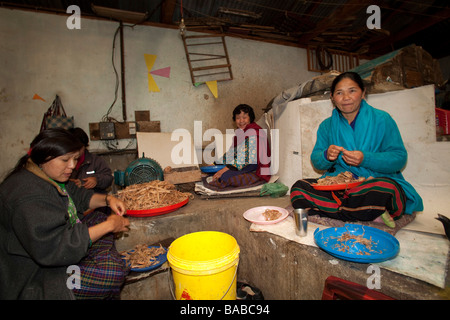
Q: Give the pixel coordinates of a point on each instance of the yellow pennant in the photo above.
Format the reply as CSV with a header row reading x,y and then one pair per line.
x,y
212,85
152,86
150,61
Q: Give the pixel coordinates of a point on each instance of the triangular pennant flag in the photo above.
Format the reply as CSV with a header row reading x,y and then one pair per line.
x,y
212,85
152,87
37,97
164,72
149,61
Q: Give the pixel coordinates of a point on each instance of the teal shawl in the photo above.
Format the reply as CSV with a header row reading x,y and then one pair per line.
x,y
375,134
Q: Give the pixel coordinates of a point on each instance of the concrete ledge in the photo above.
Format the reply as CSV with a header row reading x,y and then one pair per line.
x,y
282,269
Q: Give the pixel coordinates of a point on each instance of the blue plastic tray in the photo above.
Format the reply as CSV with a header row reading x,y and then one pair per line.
x,y
212,169
383,245
159,261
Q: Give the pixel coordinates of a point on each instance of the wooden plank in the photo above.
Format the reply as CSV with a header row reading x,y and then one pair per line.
x,y
94,131
351,8
142,115
182,175
167,9
148,126
204,36
413,78
123,130
202,44
211,67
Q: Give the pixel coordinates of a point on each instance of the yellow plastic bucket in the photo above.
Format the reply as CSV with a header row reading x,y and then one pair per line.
x,y
204,266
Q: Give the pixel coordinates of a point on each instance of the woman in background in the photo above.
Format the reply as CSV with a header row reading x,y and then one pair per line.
x,y
42,232
91,171
247,161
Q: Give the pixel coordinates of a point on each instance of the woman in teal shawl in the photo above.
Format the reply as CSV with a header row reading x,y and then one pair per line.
x,y
366,142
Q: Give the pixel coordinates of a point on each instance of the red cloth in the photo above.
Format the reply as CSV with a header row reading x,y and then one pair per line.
x,y
263,150
80,161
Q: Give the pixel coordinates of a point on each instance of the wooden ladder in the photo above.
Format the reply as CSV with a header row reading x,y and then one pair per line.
x,y
211,64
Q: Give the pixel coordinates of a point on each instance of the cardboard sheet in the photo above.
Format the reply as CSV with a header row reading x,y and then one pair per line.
x,y
159,146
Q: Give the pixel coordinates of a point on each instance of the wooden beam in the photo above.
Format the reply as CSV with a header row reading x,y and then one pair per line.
x,y
167,10
351,8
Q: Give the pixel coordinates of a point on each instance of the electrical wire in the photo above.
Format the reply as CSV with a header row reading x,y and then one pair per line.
x,y
106,117
113,143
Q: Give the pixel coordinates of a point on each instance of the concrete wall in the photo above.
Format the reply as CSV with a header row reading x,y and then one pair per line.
x,y
40,55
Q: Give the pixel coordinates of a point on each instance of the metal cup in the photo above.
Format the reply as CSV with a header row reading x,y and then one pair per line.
x,y
301,222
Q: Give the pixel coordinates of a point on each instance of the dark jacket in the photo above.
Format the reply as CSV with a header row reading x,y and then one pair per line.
x,y
94,166
37,241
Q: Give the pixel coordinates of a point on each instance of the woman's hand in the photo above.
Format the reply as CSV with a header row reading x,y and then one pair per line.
x,y
117,205
101,200
113,223
333,152
353,158
77,182
87,183
219,173
90,182
118,223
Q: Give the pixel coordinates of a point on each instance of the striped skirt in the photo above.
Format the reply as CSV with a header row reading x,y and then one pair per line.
x,y
103,271
365,202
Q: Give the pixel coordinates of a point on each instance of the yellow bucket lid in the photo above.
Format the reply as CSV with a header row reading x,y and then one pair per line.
x,y
204,252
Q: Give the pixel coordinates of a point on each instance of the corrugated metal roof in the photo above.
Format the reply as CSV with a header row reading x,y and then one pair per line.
x,y
337,24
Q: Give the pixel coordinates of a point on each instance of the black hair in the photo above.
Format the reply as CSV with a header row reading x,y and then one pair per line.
x,y
349,75
245,108
81,135
47,145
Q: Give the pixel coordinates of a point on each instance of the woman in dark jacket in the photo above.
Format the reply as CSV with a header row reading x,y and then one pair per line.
x,y
91,171
48,250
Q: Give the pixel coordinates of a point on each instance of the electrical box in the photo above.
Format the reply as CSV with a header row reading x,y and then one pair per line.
x,y
107,131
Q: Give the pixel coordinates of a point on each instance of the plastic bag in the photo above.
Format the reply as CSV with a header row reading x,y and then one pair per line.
x,y
275,190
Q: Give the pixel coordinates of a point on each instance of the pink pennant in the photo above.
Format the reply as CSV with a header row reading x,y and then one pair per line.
x,y
164,72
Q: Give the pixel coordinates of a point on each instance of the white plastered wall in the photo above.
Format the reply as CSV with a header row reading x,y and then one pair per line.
x,y
40,55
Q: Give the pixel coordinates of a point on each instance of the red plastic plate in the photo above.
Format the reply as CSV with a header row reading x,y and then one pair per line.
x,y
157,211
334,187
